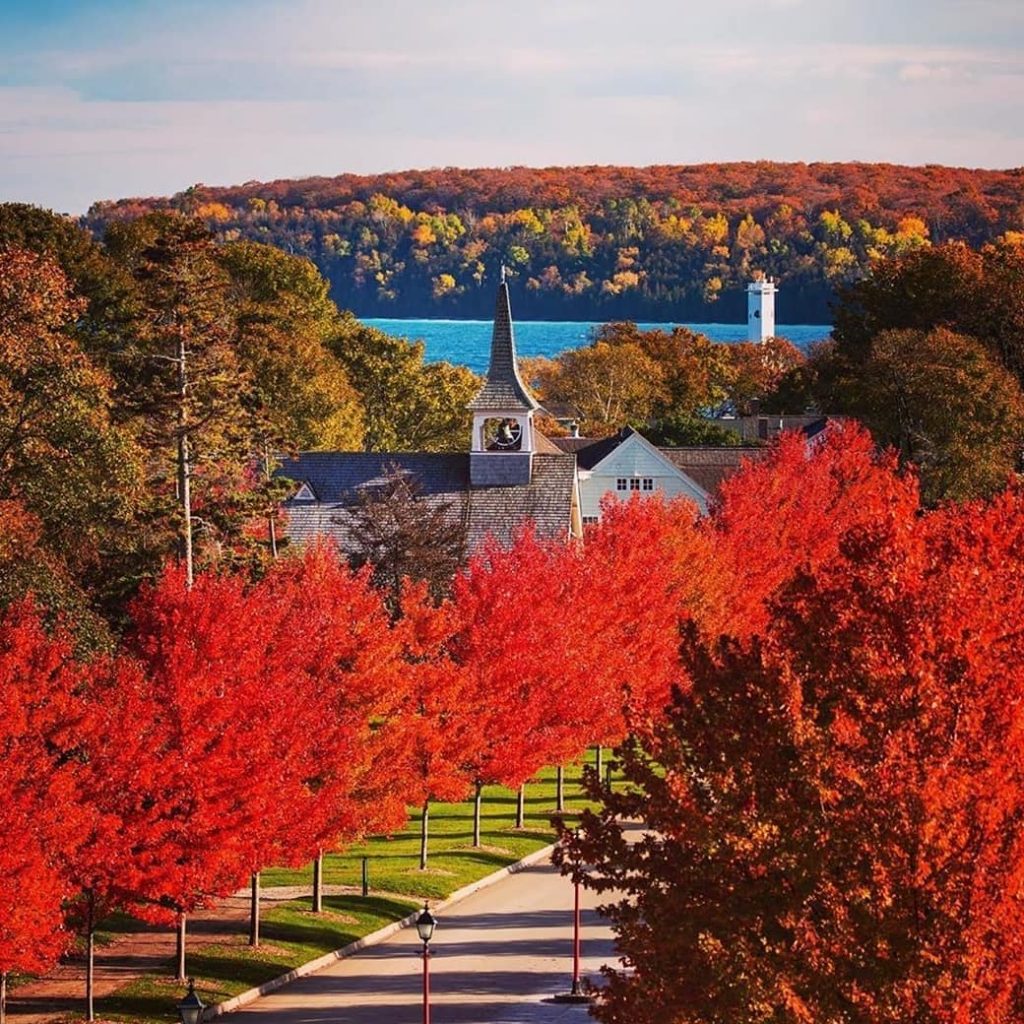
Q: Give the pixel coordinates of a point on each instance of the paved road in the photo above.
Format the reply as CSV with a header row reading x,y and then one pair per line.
x,y
496,957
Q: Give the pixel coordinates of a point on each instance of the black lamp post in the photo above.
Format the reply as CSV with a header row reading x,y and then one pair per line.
x,y
190,1009
425,925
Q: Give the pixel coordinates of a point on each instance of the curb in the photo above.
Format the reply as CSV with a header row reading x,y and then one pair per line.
x,y
312,966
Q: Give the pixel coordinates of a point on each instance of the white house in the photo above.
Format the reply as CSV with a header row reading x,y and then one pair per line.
x,y
627,464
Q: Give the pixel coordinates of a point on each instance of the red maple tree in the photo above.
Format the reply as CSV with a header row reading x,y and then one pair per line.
x,y
437,732
38,813
222,772
340,662
786,513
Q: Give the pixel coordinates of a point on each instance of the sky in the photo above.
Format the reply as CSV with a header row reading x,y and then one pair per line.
x,y
102,100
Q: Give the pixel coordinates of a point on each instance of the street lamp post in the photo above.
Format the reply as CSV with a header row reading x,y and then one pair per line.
x,y
190,1009
425,925
576,993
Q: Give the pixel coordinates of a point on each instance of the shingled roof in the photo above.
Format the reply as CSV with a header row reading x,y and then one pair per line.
x,y
589,451
706,466
337,479
709,467
503,391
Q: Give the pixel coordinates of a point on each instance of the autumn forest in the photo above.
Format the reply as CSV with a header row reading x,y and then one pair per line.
x,y
603,243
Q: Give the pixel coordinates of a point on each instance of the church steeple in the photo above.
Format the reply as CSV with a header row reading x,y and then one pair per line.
x,y
502,449
503,389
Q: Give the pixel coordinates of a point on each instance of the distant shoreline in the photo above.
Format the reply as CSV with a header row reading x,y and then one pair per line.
x,y
467,342
374,320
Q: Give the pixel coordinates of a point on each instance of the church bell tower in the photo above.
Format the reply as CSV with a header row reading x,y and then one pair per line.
x,y
501,454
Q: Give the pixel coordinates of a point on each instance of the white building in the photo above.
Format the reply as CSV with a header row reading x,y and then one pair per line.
x,y
761,309
627,464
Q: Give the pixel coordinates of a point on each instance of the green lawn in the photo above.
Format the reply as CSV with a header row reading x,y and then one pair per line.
x,y
291,934
393,863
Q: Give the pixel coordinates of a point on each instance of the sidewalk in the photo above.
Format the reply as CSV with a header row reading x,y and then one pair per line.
x,y
496,957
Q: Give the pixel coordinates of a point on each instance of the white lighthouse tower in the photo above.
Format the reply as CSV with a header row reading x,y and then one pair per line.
x,y
761,309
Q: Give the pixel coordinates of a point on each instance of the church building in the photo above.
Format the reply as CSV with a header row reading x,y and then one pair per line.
x,y
511,475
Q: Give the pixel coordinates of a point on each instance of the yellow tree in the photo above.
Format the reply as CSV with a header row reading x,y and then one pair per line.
x,y
300,396
609,385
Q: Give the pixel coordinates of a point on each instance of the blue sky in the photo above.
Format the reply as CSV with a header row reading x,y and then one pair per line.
x,y
108,99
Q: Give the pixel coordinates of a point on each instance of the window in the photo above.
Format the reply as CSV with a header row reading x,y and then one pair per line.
x,y
634,484
591,520
621,484
648,483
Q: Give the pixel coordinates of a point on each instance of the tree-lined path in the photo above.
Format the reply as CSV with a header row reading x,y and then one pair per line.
x,y
495,958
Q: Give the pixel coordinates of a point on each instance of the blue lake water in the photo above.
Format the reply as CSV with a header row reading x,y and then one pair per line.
x,y
469,341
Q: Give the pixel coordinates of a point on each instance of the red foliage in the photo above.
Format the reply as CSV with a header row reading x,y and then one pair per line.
x,y
524,646
438,734
38,812
223,772
109,738
648,567
834,810
858,189
786,514
342,670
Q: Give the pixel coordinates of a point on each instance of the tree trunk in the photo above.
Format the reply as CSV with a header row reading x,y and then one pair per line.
x,y
179,954
424,826
3,997
560,789
271,524
254,910
477,800
318,883
184,469
521,806
597,761
90,957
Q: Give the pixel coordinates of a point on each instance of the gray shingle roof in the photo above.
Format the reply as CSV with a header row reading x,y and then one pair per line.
x,y
503,389
546,501
709,467
443,481
589,451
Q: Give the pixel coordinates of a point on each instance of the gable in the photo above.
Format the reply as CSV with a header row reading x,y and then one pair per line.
x,y
636,456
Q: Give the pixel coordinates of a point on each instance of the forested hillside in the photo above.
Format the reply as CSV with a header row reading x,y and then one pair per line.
x,y
600,243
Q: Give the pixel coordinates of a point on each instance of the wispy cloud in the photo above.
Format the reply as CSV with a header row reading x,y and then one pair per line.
x,y
166,96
